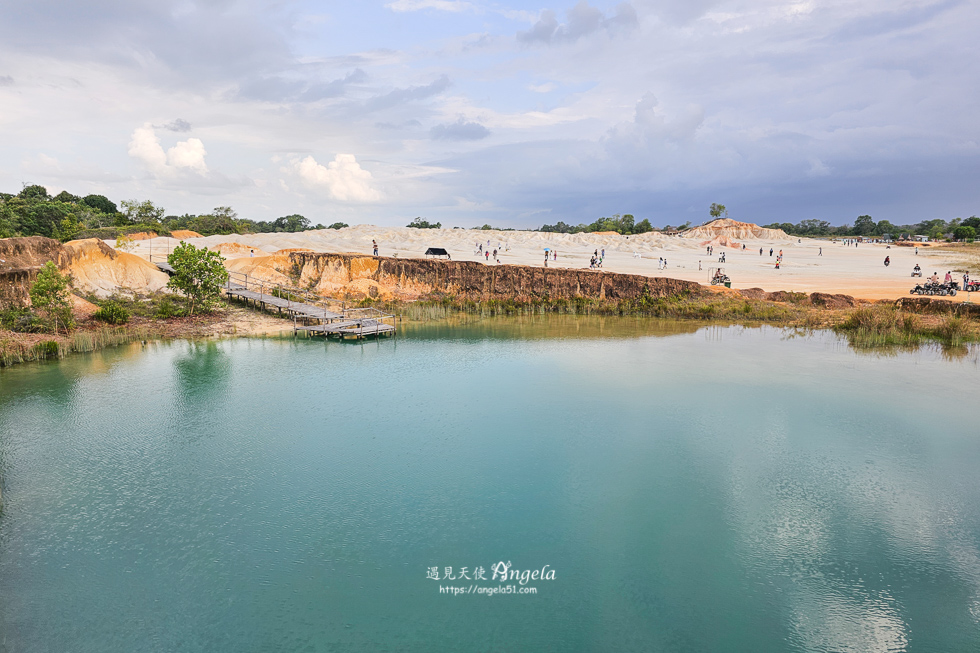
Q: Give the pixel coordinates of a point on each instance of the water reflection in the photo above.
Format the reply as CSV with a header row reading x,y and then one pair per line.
x,y
720,489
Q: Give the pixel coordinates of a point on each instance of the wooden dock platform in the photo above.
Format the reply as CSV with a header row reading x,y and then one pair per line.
x,y
307,316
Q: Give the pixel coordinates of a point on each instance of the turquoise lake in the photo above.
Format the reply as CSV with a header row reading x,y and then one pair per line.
x,y
689,489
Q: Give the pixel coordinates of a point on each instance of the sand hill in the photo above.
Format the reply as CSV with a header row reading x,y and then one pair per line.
x,y
100,269
733,230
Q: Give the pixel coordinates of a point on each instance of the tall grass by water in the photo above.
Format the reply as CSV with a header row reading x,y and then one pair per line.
x,y
14,351
888,326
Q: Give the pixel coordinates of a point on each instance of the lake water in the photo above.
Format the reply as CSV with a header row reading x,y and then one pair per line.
x,y
713,489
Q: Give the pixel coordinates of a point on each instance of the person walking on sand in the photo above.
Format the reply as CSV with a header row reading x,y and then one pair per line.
x,y
888,260
770,251
497,260
251,253
777,263
760,251
820,253
699,266
374,244
546,259
488,255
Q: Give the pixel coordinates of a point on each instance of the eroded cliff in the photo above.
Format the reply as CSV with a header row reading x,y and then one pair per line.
x,y
383,277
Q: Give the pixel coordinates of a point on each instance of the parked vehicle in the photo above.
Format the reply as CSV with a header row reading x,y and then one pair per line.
x,y
932,288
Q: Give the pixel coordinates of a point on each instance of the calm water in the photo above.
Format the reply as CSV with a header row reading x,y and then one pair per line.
x,y
712,490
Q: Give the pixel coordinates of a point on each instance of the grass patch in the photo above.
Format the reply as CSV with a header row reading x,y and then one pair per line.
x,y
887,326
23,350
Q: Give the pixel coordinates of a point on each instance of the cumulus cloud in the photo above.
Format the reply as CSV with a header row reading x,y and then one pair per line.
x,y
343,178
184,156
583,19
460,131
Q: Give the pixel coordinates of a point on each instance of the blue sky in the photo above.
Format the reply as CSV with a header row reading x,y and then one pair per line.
x,y
511,113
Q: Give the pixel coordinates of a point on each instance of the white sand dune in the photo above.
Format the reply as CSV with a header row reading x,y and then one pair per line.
x,y
855,271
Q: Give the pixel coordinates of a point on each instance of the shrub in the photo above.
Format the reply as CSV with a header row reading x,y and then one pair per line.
x,y
112,312
50,296
168,308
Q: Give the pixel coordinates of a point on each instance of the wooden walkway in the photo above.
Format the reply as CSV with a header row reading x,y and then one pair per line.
x,y
307,317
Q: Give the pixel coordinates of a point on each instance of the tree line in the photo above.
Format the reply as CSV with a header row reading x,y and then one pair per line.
x,y
624,224
866,226
34,212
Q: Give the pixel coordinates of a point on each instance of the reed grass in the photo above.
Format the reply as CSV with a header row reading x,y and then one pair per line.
x,y
16,351
889,326
681,307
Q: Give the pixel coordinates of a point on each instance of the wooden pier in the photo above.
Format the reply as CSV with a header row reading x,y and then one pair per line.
x,y
308,317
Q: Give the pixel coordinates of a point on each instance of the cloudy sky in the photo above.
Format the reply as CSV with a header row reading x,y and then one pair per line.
x,y
513,113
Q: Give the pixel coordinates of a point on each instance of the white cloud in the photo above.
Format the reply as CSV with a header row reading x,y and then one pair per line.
x,y
185,155
343,178
417,5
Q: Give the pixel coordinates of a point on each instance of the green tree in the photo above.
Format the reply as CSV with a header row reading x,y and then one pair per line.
x,y
338,225
51,296
419,223
101,203
198,274
34,192
643,226
717,210
145,212
6,220
964,232
66,197
884,227
291,223
864,225
972,221
69,228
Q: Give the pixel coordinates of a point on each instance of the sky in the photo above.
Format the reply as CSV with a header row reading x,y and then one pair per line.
x,y
515,114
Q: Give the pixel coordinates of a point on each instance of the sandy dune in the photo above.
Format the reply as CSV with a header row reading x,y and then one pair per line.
x,y
857,271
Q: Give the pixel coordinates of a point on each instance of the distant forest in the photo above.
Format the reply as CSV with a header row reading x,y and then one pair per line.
x,y
34,212
865,225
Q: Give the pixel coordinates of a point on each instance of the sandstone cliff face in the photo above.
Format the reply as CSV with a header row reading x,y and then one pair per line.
x,y
20,261
97,268
94,266
351,275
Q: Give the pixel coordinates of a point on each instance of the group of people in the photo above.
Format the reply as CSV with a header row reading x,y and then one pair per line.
x,y
596,261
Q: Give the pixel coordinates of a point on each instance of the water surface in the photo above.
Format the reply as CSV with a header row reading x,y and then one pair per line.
x,y
712,489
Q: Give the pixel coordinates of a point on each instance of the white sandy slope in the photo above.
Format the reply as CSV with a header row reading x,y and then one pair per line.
x,y
854,271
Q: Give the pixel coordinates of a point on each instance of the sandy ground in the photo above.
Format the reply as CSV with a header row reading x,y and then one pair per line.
x,y
857,271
